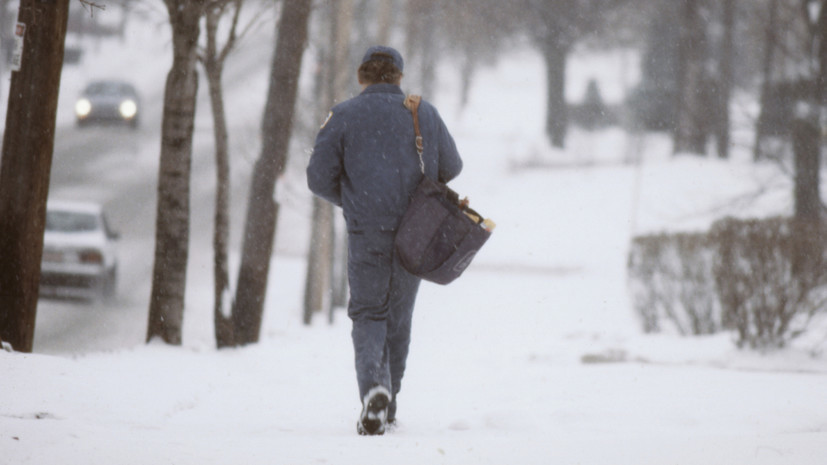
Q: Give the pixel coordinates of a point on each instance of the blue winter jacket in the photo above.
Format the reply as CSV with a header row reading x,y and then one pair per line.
x,y
365,158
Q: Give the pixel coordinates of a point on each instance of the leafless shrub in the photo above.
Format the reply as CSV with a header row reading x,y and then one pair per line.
x,y
765,298
670,277
764,279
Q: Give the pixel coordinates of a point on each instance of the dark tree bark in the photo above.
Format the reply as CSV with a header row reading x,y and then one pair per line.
x,y
806,136
429,46
260,225
690,133
6,40
555,52
25,167
420,42
213,61
770,45
807,132
385,20
725,79
166,306
556,26
808,223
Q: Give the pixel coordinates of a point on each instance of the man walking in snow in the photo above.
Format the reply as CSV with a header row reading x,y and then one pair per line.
x,y
365,161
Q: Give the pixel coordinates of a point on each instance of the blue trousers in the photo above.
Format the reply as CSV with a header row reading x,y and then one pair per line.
x,y
382,296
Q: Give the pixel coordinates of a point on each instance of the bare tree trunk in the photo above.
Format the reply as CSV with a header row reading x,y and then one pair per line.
x,y
25,166
809,243
555,53
821,47
690,134
166,305
807,136
318,291
420,43
385,18
770,45
429,52
413,13
318,294
221,234
806,146
342,82
725,79
260,226
340,278
5,37
342,74
213,61
469,65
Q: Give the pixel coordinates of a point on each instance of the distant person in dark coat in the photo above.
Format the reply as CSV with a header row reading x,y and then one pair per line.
x,y
365,161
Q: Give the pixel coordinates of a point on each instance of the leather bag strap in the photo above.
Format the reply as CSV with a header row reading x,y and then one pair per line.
x,y
412,104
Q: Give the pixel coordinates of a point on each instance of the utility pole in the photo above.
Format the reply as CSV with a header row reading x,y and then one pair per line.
x,y
26,162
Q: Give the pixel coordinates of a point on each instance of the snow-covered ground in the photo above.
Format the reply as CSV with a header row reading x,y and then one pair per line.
x,y
533,357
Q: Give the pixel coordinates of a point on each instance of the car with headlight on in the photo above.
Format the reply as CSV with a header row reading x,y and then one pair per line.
x,y
79,252
108,102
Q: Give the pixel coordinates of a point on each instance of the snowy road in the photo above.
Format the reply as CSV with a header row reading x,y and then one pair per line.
x,y
119,168
105,165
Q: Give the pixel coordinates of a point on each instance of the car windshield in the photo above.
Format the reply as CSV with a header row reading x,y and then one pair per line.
x,y
63,221
108,88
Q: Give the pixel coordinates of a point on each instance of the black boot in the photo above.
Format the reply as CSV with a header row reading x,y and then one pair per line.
x,y
374,415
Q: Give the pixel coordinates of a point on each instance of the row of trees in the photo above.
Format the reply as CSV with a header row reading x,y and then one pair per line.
x,y
695,53
166,311
25,171
696,63
762,278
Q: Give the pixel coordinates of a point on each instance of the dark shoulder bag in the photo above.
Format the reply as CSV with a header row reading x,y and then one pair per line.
x,y
439,234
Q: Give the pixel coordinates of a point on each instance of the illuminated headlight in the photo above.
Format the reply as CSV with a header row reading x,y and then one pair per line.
x,y
128,109
83,107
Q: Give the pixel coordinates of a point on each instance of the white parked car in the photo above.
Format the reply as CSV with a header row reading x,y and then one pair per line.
x,y
79,252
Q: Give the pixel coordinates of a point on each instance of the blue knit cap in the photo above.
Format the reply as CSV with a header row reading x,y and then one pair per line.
x,y
395,57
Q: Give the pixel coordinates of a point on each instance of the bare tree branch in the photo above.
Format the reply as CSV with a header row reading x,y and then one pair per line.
x,y
92,6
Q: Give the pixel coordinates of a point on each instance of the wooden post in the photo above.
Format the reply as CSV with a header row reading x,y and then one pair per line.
x,y
26,163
